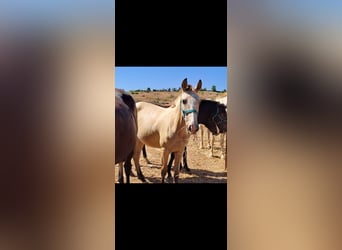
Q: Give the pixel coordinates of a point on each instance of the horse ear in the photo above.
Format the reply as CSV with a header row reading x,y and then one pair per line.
x,y
199,86
184,84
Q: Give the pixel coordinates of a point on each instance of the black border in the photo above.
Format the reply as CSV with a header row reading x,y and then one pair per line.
x,y
170,33
186,216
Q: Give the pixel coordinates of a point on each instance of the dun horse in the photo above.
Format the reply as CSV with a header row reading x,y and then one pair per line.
x,y
213,116
168,128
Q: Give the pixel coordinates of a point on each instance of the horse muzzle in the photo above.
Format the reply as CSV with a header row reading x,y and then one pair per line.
x,y
193,129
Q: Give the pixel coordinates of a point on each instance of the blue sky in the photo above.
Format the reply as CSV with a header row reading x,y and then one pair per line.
x,y
308,11
132,78
64,12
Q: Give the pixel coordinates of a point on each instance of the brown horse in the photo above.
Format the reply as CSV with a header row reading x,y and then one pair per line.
x,y
168,128
125,131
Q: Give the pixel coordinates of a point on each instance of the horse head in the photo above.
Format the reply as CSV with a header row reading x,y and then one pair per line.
x,y
189,105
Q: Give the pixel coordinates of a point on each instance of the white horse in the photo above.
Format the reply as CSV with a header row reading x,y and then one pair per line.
x,y
168,128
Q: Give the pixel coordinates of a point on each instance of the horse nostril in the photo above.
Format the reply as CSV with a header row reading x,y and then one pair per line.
x,y
189,128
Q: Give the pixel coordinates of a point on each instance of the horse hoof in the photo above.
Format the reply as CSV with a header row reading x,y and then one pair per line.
x,y
142,178
169,180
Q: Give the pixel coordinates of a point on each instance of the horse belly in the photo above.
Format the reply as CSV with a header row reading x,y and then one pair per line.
x,y
177,144
125,136
151,140
148,130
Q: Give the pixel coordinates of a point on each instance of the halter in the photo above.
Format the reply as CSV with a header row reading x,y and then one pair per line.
x,y
186,112
217,118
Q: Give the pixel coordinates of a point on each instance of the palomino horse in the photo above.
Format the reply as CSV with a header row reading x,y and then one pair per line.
x,y
168,128
213,116
125,131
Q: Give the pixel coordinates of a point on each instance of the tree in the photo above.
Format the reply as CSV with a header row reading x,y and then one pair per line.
x,y
213,88
148,89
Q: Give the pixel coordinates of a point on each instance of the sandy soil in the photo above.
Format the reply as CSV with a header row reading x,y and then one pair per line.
x,y
204,169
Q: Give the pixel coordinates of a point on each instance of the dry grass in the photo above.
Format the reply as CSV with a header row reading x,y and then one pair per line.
x,y
165,98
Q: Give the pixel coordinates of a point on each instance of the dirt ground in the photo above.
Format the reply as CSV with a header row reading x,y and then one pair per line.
x,y
204,169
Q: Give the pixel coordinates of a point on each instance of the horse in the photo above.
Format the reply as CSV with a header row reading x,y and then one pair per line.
x,y
223,101
168,128
126,128
213,116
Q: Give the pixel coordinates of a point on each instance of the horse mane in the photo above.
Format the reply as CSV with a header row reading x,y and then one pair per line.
x,y
213,101
221,105
176,101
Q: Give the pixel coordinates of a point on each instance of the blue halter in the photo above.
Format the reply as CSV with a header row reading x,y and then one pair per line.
x,y
186,112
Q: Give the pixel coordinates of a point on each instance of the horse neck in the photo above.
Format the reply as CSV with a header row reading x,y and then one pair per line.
x,y
206,112
178,116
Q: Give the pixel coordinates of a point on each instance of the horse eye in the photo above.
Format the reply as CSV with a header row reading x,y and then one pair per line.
x,y
184,101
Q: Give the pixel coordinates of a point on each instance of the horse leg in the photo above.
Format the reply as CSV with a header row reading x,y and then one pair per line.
x,y
185,161
178,156
211,154
128,167
121,172
136,157
222,146
165,157
170,165
225,166
145,154
208,133
201,142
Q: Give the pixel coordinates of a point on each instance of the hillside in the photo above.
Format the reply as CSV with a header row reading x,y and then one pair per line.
x,y
165,97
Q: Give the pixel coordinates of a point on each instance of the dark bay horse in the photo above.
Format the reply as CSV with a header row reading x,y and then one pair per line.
x,y
125,131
